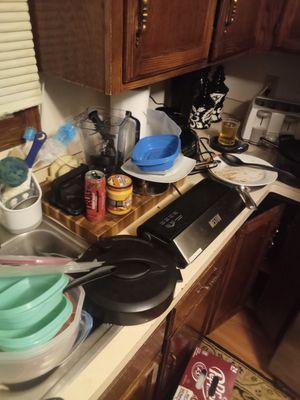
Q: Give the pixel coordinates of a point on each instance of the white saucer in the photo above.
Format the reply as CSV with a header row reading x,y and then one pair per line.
x,y
181,168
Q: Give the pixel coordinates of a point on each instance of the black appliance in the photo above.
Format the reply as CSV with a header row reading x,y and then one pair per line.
x,y
188,137
191,222
67,191
135,285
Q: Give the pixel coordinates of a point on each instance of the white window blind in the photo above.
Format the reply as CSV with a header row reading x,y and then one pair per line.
x,y
19,80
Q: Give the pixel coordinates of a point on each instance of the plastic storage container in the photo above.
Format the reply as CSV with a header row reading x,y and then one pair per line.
x,y
24,302
39,333
17,367
156,153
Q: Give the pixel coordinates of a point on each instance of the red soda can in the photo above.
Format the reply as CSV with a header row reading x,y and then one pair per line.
x,y
94,195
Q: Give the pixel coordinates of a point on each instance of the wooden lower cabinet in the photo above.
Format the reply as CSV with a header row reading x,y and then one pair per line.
x,y
249,246
137,380
156,369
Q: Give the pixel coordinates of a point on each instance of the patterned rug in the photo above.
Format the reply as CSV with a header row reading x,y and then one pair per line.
x,y
250,384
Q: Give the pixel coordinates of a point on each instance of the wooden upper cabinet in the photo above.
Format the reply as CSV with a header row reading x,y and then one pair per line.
x,y
117,45
236,27
170,35
288,28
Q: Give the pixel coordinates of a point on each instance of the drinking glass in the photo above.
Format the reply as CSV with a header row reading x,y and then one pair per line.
x,y
228,132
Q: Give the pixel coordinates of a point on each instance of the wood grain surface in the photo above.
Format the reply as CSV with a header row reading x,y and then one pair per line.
x,y
288,27
237,36
177,34
111,225
70,39
13,127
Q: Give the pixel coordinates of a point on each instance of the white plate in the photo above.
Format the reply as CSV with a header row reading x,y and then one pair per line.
x,y
181,168
244,175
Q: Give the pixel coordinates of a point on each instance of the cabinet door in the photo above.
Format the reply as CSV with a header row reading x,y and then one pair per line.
x,y
282,290
182,345
194,309
164,35
144,389
250,245
138,379
236,27
288,36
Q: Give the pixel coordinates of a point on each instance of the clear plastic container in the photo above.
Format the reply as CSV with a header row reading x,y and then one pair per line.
x,y
22,366
108,138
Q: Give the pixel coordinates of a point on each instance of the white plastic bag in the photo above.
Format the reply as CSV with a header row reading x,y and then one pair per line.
x,y
158,123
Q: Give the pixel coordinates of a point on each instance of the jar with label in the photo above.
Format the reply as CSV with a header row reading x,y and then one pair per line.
x,y
119,194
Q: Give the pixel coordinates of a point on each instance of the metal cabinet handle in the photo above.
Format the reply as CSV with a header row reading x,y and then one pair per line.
x,y
202,288
142,20
211,282
231,16
172,360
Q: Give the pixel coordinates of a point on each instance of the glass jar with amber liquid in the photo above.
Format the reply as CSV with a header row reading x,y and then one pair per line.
x,y
229,129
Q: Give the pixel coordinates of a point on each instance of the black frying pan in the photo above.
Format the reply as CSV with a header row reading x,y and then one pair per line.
x,y
136,284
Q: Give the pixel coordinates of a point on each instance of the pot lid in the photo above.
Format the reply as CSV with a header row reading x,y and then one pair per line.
x,y
135,285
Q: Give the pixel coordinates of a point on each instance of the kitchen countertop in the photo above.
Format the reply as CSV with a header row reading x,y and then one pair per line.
x,y
101,370
96,371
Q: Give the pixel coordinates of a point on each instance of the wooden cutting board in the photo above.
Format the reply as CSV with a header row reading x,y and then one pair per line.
x,y
112,224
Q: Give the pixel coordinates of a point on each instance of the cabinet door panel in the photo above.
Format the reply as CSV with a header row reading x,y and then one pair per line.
x,y
139,375
182,345
251,244
236,27
177,33
193,308
288,37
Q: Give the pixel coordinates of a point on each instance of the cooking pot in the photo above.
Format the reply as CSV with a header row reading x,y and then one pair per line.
x,y
147,188
288,154
135,285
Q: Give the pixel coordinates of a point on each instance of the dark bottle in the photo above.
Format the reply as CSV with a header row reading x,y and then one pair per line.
x,y
218,93
203,105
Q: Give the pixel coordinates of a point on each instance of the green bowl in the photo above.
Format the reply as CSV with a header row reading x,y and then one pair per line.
x,y
25,301
39,333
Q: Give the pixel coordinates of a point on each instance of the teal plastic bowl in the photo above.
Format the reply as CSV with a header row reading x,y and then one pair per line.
x,y
25,301
39,333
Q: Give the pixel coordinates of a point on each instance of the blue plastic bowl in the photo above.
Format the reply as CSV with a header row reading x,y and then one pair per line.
x,y
156,153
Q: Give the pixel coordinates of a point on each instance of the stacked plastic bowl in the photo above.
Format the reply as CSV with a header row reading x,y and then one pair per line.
x,y
156,153
39,325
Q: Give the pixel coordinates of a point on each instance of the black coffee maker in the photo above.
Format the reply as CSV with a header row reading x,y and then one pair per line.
x,y
188,137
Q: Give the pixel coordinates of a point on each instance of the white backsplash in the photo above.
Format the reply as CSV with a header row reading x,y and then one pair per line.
x,y
246,77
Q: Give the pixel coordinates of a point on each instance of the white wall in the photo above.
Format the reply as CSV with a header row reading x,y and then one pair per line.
x,y
62,100
245,77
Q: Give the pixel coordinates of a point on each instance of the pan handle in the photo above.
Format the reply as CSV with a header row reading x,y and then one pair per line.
x,y
269,142
98,273
246,197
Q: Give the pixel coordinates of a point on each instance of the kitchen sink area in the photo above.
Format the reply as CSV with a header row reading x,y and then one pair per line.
x,y
51,239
